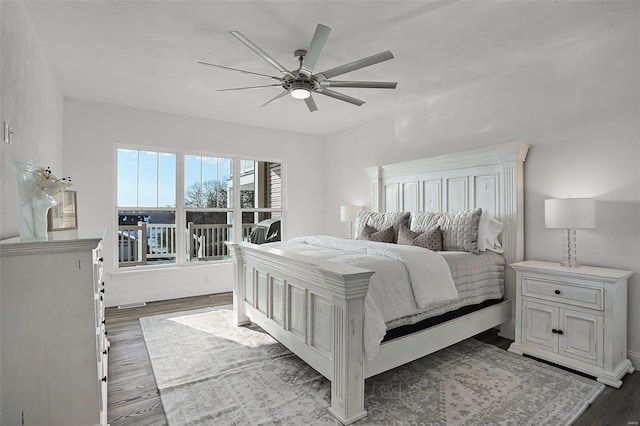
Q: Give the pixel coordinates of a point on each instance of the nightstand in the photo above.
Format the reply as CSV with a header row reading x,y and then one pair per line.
x,y
575,317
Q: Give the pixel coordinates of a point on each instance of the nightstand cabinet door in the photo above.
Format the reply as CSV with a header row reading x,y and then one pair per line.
x,y
539,321
582,336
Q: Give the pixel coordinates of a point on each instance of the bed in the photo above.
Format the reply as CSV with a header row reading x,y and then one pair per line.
x,y
316,307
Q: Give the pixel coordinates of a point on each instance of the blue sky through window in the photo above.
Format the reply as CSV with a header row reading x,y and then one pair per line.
x,y
146,178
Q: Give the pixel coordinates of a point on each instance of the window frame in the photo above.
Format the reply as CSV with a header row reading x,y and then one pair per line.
x,y
180,209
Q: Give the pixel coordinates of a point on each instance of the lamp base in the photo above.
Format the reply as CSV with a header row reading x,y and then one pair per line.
x,y
569,256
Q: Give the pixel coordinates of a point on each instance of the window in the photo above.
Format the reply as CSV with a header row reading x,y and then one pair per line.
x,y
261,201
146,207
208,213
160,223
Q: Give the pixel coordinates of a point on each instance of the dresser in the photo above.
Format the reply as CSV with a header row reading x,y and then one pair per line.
x,y
54,347
575,317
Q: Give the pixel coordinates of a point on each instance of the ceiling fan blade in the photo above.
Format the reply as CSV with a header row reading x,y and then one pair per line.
x,y
355,65
248,87
275,98
340,96
311,104
242,71
360,84
258,51
315,48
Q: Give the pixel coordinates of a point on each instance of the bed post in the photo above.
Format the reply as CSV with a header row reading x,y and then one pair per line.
x,y
347,386
375,176
239,315
512,209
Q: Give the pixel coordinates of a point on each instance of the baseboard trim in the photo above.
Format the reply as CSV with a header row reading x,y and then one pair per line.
x,y
130,299
634,357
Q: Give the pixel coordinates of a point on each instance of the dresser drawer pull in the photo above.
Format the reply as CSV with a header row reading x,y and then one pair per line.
x,y
557,292
554,331
106,333
101,298
101,259
104,379
102,290
102,283
104,352
104,321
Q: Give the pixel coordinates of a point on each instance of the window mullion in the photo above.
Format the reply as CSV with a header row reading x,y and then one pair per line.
x,y
181,219
237,209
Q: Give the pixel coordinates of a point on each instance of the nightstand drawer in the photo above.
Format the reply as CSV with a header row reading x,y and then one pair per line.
x,y
588,297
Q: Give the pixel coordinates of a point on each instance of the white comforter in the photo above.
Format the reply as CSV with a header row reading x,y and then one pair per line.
x,y
406,278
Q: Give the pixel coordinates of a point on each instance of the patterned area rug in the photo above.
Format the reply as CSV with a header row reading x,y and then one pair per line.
x,y
210,372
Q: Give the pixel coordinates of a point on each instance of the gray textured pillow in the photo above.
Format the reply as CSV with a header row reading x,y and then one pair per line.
x,y
380,221
460,230
430,239
384,236
423,221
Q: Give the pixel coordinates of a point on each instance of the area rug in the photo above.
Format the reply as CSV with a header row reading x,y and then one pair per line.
x,y
210,372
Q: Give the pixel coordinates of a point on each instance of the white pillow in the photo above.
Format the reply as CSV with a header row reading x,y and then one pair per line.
x,y
488,231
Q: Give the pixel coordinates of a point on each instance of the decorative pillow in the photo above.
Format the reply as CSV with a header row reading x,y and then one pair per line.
x,y
372,234
423,221
430,239
380,221
460,230
488,231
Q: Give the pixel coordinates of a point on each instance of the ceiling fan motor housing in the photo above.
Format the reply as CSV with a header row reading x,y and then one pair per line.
x,y
299,83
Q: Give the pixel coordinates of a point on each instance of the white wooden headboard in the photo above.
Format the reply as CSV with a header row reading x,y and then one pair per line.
x,y
491,178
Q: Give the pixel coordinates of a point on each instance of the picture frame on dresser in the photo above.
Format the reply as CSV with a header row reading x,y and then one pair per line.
x,y
65,215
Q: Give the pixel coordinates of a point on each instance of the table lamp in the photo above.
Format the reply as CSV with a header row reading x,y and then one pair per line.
x,y
349,214
570,214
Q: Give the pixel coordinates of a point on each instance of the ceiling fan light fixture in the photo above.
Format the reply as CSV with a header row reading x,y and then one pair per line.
x,y
300,93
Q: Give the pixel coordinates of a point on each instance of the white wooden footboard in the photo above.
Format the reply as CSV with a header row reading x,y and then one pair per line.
x,y
314,308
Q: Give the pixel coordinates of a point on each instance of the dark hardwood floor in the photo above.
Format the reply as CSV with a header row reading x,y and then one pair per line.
x,y
133,398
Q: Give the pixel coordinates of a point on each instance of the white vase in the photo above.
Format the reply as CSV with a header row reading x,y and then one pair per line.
x,y
33,202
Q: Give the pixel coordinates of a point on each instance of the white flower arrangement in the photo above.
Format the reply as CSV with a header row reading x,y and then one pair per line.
x,y
48,182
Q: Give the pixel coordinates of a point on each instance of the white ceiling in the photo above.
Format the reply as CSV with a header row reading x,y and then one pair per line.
x,y
144,53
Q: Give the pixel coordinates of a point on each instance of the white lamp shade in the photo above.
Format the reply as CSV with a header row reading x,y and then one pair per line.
x,y
349,213
570,213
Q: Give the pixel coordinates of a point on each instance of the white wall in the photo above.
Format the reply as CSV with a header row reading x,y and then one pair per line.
x,y
91,132
31,102
580,109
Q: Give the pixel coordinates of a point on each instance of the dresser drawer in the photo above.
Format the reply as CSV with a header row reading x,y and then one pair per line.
x,y
588,297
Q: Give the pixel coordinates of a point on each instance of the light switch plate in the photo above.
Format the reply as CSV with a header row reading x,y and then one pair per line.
x,y
7,133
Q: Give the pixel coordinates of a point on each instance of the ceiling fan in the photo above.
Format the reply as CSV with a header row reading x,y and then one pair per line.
x,y
302,82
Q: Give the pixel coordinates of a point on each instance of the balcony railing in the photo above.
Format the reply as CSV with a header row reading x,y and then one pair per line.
x,y
154,243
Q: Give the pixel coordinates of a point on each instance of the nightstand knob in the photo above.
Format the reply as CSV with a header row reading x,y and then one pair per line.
x,y
554,331
104,379
557,292
560,332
